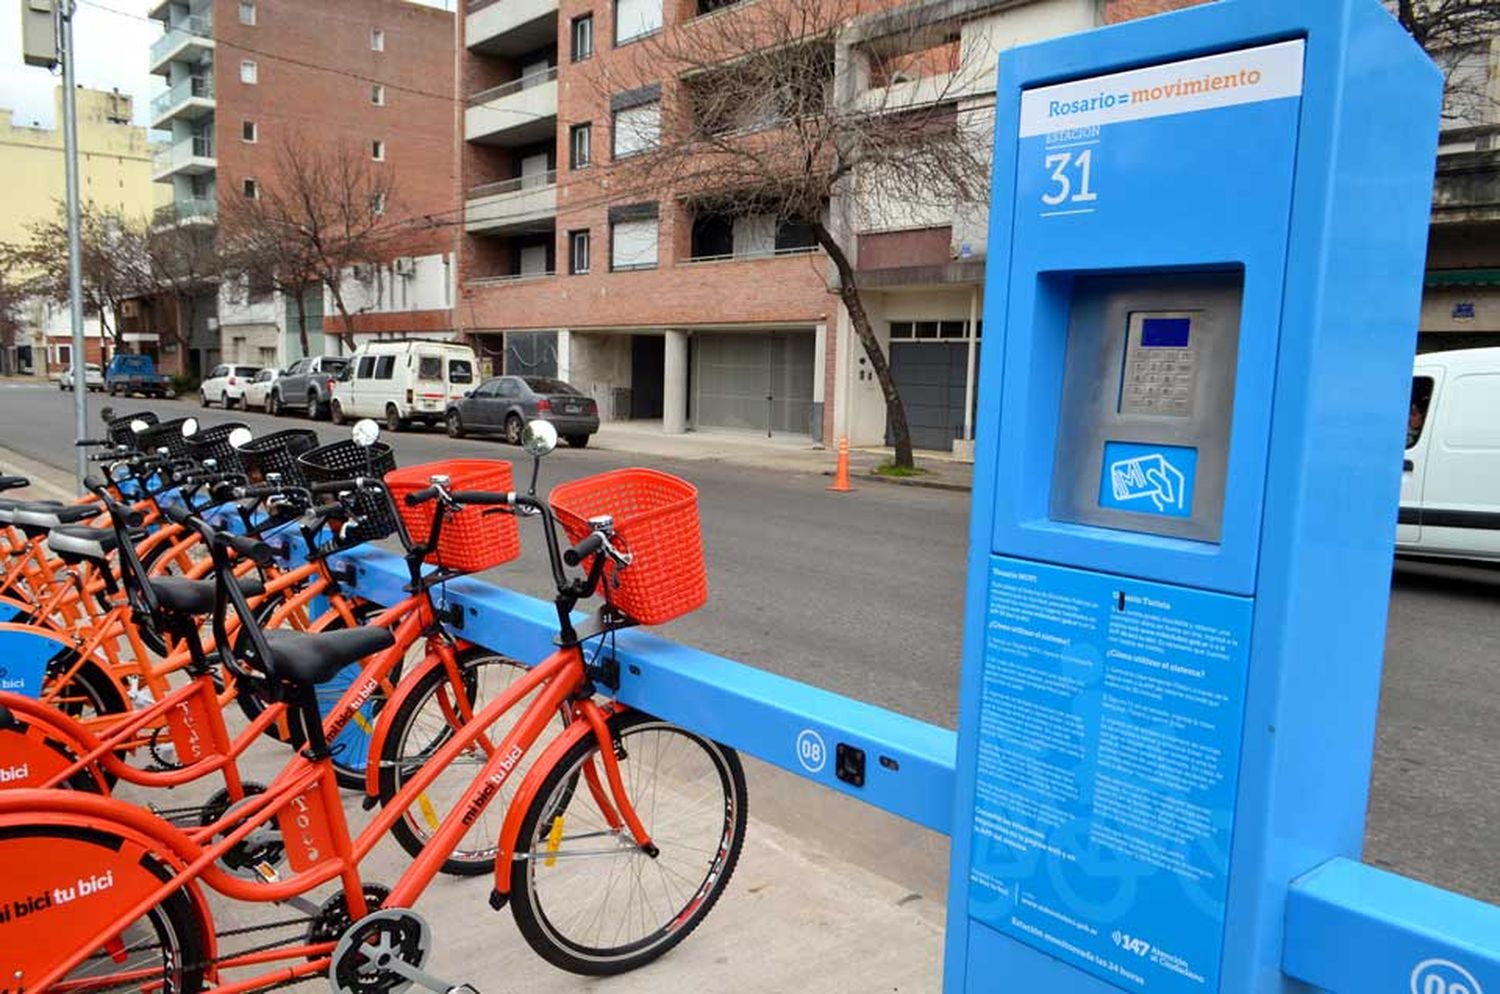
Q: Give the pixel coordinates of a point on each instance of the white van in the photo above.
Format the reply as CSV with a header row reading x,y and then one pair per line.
x,y
1450,486
403,382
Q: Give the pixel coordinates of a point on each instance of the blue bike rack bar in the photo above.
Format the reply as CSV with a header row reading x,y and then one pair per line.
x,y
908,764
1352,928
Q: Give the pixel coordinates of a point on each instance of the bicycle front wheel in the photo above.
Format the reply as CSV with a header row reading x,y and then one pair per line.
x,y
584,895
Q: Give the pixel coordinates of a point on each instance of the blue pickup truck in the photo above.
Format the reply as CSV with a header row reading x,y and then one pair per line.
x,y
130,374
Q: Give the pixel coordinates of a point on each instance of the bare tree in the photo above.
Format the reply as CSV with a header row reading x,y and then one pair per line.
x,y
182,262
1458,34
792,108
275,256
13,296
320,215
114,261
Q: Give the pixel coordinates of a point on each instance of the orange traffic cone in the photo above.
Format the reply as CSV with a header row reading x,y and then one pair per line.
x,y
841,474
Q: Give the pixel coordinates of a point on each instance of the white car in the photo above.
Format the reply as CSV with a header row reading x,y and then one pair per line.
x,y
260,388
226,385
92,375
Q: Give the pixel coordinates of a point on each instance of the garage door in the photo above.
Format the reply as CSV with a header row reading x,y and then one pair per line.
x,y
754,382
930,376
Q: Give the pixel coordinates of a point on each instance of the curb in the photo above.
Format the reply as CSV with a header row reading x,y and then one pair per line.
x,y
916,481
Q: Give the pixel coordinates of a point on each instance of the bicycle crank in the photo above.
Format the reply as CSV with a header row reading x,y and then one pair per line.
x,y
384,954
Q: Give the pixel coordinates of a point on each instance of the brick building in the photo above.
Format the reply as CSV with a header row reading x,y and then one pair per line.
x,y
376,76
626,295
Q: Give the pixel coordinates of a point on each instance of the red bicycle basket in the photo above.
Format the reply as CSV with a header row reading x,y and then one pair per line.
x,y
656,520
474,538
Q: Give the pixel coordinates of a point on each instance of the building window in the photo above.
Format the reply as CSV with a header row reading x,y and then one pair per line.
x,y
377,40
583,37
633,238
377,150
248,132
580,145
636,19
637,129
249,72
377,95
377,203
931,331
247,12
250,188
578,252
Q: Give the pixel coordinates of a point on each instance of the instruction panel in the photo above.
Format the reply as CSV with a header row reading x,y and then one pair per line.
x,y
1108,748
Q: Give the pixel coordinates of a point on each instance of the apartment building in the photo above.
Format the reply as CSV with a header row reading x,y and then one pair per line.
x,y
243,78
664,309
114,172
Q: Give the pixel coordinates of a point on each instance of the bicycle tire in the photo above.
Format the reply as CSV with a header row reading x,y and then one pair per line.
x,y
540,848
171,931
400,756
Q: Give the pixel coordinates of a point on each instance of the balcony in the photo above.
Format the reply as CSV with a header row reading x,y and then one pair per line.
x,y
510,206
159,10
190,97
510,27
520,112
188,40
1467,189
184,212
188,157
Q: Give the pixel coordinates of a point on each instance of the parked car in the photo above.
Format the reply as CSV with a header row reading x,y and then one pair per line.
x,y
506,403
258,393
128,374
403,382
226,385
93,377
308,384
1450,481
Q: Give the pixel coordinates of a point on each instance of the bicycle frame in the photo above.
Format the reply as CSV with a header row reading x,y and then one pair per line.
x,y
304,799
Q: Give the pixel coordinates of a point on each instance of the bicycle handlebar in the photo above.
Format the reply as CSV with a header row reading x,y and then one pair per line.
x,y
353,483
591,544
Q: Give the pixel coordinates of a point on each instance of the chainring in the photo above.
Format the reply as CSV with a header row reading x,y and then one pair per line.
x,y
243,855
333,918
360,961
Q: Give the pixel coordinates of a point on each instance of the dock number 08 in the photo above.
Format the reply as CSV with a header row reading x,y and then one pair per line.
x,y
1064,165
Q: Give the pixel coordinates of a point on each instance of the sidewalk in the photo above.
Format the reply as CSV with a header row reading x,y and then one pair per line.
x,y
646,438
796,917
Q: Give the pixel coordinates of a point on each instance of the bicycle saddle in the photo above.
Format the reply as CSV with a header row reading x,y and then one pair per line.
x,y
311,658
9,507
75,543
184,596
41,515
13,482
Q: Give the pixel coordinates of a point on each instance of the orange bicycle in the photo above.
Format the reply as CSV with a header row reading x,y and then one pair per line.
x,y
618,842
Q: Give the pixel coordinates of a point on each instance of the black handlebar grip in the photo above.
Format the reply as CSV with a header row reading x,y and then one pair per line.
x,y
481,497
178,514
420,496
94,484
590,545
87,443
252,549
334,486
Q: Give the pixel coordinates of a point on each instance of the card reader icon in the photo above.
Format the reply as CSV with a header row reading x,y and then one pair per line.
x,y
1149,477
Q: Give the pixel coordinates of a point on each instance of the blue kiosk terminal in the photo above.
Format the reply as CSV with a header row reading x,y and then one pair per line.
x,y
1208,234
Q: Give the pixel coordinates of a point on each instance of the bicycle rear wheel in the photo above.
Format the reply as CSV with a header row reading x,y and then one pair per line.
x,y
584,895
73,882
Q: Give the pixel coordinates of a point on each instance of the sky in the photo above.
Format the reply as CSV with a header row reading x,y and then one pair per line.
x,y
113,40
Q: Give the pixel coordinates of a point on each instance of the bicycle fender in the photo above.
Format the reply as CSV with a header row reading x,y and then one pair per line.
x,y
531,785
404,690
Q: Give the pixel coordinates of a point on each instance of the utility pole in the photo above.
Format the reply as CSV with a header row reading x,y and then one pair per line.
x,y
46,40
64,15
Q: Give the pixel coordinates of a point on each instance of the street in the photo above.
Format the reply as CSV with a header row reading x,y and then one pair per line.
x,y
863,593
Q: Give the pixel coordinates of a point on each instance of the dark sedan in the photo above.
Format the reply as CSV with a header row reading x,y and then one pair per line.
x,y
505,403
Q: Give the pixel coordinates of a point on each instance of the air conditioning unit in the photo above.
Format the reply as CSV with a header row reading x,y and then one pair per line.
x,y
364,272
405,265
